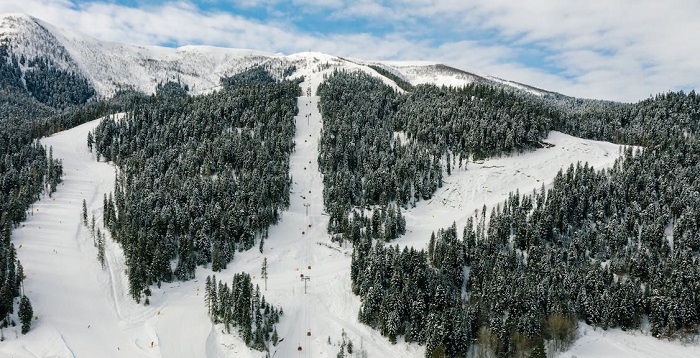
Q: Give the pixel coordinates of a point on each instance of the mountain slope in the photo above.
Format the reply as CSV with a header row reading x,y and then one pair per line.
x,y
94,314
109,65
71,291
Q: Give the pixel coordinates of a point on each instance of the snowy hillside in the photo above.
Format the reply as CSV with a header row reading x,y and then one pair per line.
x,y
85,310
102,320
108,65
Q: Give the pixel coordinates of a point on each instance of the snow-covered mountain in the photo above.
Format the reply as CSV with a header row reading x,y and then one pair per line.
x,y
85,310
108,65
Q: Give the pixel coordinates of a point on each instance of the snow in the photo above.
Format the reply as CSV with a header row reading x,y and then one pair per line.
x,y
301,241
312,60
84,310
76,302
614,343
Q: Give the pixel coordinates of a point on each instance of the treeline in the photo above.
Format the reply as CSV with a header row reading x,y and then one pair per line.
x,y
361,160
402,295
384,223
56,88
613,248
200,177
476,121
267,73
242,306
403,84
647,122
11,277
253,75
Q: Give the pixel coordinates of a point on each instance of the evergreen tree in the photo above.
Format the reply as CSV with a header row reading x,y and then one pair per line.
x,y
101,248
263,273
85,213
26,313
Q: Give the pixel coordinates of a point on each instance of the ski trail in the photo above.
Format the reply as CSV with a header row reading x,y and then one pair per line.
x,y
300,245
64,279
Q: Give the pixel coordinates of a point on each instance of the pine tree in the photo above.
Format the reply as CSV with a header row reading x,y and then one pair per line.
x,y
25,314
85,213
264,272
101,248
538,351
90,140
217,262
275,337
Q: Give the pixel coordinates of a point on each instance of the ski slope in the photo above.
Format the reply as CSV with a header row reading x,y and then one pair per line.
x,y
81,309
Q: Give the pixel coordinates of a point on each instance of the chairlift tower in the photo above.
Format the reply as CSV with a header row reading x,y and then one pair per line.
x,y
305,279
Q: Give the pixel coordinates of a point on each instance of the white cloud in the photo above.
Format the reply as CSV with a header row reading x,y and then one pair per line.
x,y
623,49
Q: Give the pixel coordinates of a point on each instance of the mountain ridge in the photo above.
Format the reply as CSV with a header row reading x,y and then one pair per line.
x,y
109,66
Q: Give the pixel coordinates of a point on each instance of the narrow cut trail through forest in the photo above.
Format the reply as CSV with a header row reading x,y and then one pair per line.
x,y
301,257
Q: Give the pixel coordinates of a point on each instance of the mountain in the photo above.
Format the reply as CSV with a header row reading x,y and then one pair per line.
x,y
356,204
110,65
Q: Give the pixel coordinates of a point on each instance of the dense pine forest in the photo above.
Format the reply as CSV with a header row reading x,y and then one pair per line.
x,y
613,248
200,177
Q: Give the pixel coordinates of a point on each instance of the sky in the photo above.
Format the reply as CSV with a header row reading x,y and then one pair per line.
x,y
625,50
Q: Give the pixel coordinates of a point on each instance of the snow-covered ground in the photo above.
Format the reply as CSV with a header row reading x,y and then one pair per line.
x,y
81,309
424,72
615,343
84,310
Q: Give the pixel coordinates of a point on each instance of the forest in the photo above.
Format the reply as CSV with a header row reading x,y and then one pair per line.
x,y
380,147
614,248
200,177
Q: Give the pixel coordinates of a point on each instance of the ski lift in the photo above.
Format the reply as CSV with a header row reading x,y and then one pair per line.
x,y
308,333
299,348
302,275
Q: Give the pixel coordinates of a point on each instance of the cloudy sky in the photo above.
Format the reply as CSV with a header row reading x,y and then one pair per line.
x,y
612,49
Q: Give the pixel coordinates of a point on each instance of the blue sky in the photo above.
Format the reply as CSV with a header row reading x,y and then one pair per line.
x,y
622,50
